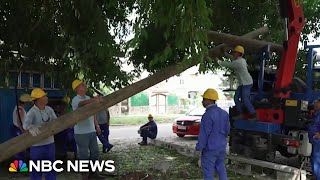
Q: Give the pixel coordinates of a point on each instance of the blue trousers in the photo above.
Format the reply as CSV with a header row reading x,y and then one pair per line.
x,y
145,133
61,142
104,137
45,152
243,93
315,160
17,132
71,140
212,161
87,146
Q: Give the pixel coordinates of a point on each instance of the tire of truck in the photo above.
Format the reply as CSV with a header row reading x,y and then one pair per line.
x,y
283,151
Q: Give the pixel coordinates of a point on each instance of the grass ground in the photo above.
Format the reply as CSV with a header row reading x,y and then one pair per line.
x,y
156,162
138,120
159,163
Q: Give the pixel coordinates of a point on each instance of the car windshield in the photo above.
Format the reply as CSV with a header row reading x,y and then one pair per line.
x,y
199,111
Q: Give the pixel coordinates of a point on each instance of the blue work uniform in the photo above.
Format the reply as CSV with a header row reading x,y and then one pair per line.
x,y
315,156
45,149
63,139
150,132
212,142
103,121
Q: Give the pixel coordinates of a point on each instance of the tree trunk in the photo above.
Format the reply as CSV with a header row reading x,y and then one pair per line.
x,y
251,44
22,142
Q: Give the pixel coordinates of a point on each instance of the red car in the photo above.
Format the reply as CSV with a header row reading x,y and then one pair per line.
x,y
189,124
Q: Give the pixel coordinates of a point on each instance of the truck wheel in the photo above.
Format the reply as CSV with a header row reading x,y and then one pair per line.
x,y
181,135
283,151
271,156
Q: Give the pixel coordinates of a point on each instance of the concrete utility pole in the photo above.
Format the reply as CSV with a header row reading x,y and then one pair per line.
x,y
20,143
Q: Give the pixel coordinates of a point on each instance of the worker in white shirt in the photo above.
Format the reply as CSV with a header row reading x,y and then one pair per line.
x,y
86,131
18,117
37,116
245,82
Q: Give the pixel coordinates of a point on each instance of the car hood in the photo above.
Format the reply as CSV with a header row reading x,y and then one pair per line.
x,y
188,118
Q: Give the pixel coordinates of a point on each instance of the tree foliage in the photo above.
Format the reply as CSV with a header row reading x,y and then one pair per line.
x,y
86,38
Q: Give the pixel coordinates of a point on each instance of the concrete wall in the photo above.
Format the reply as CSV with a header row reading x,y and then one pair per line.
x,y
115,110
173,109
139,110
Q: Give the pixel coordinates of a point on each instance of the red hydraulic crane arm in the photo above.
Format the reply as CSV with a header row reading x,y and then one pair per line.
x,y
293,14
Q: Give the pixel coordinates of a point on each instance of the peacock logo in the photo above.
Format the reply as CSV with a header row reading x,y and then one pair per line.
x,y
18,166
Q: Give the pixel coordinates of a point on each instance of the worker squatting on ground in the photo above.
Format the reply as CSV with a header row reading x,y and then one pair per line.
x,y
38,115
103,119
64,138
314,138
212,140
85,132
148,130
18,118
239,66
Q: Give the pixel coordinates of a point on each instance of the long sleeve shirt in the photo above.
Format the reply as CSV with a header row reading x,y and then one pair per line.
x,y
38,117
240,68
214,130
152,127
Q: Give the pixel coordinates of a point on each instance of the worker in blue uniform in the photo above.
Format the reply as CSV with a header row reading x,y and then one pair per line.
x,y
212,140
314,138
39,115
103,119
62,138
148,130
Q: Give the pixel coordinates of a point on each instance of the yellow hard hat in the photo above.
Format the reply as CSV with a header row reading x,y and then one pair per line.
x,y
66,99
37,93
150,116
210,94
25,98
76,83
239,49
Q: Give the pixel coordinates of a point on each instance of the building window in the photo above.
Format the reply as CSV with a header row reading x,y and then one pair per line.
x,y
47,82
36,80
25,79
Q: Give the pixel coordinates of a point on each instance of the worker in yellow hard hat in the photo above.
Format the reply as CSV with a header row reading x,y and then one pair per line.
x,y
148,130
18,116
86,131
37,116
212,140
245,82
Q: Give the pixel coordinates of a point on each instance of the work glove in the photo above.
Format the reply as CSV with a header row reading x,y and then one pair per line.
x,y
34,130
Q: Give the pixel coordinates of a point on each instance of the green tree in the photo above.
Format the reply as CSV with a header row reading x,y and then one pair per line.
x,y
86,38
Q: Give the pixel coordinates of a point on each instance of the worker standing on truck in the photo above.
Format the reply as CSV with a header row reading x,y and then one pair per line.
x,y
37,116
18,118
245,82
212,140
314,138
86,131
